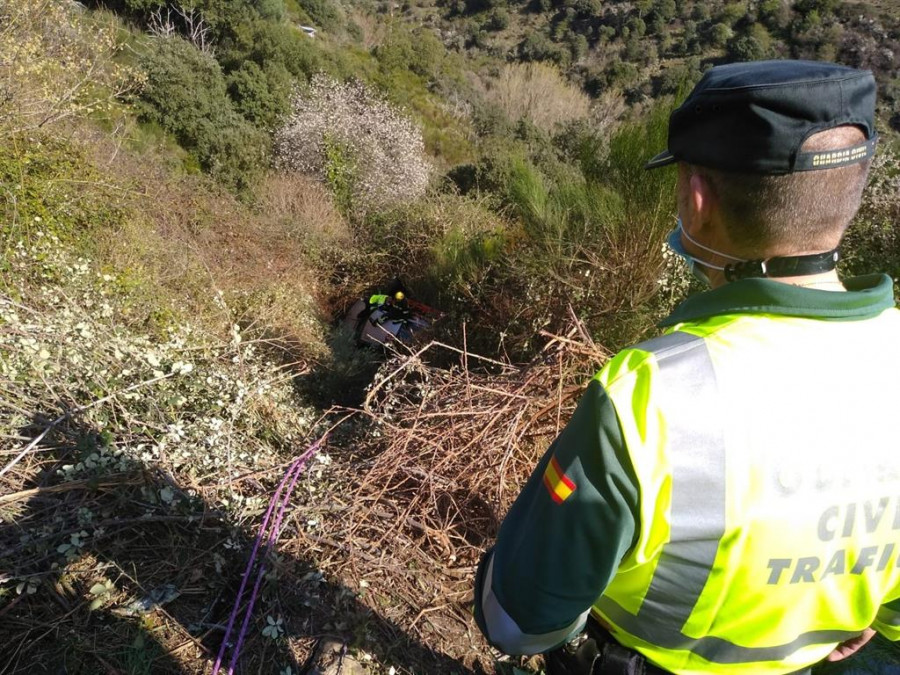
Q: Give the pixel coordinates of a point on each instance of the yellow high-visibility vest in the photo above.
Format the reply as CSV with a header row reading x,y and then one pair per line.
x,y
767,451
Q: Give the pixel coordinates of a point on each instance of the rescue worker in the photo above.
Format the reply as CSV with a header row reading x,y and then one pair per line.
x,y
726,497
394,307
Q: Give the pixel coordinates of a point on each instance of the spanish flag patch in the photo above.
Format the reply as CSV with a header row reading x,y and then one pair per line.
x,y
557,483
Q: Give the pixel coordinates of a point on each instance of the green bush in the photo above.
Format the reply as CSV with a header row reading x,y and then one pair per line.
x,y
186,95
225,15
732,12
269,45
745,48
664,10
57,194
538,47
719,34
590,238
775,14
680,77
417,50
262,96
498,20
324,13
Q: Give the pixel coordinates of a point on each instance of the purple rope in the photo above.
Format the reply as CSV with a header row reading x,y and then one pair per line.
x,y
246,575
293,473
273,536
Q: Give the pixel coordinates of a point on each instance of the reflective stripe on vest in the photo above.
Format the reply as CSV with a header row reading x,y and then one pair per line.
x,y
686,389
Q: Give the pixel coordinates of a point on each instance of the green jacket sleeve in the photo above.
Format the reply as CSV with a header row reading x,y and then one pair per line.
x,y
887,623
564,536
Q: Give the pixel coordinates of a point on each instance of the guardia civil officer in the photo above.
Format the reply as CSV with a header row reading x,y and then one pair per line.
x,y
726,497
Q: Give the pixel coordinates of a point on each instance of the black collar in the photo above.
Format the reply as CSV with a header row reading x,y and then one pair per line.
x,y
784,266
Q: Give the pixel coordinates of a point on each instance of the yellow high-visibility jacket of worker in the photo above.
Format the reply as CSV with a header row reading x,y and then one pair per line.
x,y
726,497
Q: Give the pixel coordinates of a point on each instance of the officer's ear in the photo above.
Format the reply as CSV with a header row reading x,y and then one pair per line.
x,y
702,197
697,201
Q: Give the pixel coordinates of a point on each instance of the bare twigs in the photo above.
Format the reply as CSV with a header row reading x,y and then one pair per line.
x,y
193,26
449,449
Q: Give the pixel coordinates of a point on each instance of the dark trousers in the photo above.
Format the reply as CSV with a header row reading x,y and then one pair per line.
x,y
599,654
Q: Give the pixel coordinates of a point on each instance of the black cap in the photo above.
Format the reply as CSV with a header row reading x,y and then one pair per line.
x,y
753,117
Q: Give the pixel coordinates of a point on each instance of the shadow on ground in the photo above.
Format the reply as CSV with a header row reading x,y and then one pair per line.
x,y
113,567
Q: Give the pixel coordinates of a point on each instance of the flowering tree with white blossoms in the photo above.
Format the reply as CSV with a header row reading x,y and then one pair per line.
x,y
369,153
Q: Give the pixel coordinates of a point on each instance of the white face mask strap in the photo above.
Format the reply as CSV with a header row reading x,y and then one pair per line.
x,y
707,249
710,265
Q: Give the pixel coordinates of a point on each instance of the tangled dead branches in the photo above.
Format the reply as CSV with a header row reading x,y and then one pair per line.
x,y
424,493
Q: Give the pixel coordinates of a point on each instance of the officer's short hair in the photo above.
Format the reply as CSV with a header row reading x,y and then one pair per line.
x,y
795,212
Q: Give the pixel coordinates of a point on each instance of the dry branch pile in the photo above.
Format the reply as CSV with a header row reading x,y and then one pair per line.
x,y
422,496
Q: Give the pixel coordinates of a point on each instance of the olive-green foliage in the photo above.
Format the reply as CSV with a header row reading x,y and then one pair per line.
x,y
590,237
719,34
446,247
821,6
415,71
262,96
324,13
186,95
498,20
563,221
647,195
664,9
418,51
52,189
504,144
270,45
340,172
224,15
138,6
774,13
220,15
680,78
745,48
538,47
732,12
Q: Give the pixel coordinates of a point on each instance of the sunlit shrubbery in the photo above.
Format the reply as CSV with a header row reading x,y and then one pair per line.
x,y
56,62
186,400
367,150
186,94
590,238
539,93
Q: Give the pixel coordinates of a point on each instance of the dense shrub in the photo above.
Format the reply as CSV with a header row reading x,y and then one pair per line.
x,y
719,34
228,14
186,95
56,64
538,47
680,77
498,20
418,51
745,48
539,93
365,148
324,13
270,44
590,238
262,96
